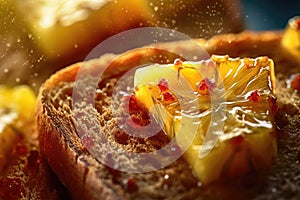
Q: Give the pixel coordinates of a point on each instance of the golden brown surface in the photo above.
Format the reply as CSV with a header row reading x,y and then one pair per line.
x,y
85,176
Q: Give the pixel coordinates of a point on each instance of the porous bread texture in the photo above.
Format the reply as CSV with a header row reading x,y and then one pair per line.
x,y
87,178
27,174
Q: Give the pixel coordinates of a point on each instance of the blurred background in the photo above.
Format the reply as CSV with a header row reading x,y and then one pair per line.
x,y
269,14
30,52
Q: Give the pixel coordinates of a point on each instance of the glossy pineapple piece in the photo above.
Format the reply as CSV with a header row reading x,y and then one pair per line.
x,y
221,112
16,116
61,28
291,36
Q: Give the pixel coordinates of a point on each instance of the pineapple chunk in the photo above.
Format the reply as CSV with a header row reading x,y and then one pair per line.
x,y
16,115
291,36
220,111
62,27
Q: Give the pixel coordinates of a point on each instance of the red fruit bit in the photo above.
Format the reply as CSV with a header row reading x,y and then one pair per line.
x,y
254,96
133,104
205,86
295,82
168,97
131,185
163,85
237,140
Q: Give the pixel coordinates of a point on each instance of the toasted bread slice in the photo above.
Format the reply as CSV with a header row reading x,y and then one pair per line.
x,y
86,177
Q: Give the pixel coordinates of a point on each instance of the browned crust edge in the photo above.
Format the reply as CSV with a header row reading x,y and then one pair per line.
x,y
74,173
